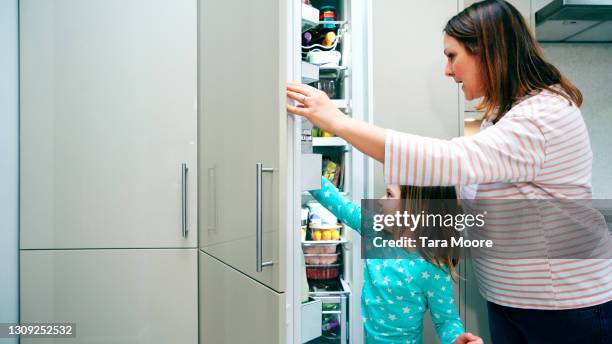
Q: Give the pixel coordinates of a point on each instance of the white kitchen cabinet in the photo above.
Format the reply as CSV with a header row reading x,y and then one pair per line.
x,y
108,117
235,308
137,296
108,168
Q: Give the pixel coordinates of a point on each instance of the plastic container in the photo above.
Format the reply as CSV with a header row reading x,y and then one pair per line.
x,y
327,13
325,233
322,272
321,258
319,249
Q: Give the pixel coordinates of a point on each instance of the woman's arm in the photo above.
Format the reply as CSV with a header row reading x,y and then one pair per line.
x,y
320,111
346,211
510,151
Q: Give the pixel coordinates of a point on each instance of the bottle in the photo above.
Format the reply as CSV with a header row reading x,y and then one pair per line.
x,y
329,39
307,38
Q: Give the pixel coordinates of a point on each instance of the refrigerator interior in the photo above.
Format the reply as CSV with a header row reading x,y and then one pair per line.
x,y
327,278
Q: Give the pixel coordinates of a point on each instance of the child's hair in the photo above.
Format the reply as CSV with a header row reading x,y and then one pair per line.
x,y
433,200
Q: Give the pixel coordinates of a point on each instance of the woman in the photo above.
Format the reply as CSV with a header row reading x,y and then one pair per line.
x,y
533,146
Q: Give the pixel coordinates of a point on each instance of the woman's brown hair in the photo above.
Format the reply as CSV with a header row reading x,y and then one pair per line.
x,y
511,62
433,200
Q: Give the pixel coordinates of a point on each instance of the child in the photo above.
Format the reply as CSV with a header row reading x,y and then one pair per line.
x,y
397,292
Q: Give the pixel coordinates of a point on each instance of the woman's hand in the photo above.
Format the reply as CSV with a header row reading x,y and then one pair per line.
x,y
468,338
316,106
320,111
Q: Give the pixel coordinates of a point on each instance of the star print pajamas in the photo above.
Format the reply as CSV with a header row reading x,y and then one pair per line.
x,y
397,292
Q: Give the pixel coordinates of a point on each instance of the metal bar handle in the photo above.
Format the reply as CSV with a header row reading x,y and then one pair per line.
x,y
184,170
259,169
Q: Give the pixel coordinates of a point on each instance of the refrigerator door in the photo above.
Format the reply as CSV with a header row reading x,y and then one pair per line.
x,y
108,118
138,296
242,125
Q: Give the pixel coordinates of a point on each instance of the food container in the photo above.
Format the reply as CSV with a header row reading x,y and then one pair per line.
x,y
321,258
322,272
327,13
325,233
329,87
319,249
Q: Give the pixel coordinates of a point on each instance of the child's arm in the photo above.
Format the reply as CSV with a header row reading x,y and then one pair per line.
x,y
438,289
346,211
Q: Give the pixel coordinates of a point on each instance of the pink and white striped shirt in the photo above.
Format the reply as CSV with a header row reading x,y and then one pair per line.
x,y
540,150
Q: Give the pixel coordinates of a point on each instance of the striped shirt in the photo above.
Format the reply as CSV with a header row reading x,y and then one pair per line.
x,y
540,150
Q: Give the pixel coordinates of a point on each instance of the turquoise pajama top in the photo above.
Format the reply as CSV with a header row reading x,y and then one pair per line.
x,y
397,292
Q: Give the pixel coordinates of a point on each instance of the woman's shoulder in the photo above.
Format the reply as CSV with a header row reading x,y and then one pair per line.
x,y
544,105
543,99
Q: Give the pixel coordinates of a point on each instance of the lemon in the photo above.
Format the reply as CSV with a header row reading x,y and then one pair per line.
x,y
316,235
335,235
327,235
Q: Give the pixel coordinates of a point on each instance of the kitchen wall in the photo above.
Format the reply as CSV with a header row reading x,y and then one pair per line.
x,y
9,134
589,67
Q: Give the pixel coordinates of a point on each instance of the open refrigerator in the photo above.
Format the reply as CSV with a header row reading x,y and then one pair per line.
x,y
327,263
256,163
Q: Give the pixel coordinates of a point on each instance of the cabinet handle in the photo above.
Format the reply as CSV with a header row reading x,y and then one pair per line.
x,y
212,199
259,169
184,170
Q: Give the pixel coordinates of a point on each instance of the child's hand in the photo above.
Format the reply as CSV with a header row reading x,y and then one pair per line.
x,y
468,338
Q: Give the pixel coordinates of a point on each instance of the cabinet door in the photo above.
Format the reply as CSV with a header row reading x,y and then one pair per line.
x,y
235,308
243,122
108,117
141,296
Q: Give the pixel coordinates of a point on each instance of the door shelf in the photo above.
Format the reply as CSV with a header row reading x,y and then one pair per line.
x,y
340,103
310,17
310,73
328,141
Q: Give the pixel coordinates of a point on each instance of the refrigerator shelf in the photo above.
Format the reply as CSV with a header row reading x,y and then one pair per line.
x,y
335,72
337,288
308,243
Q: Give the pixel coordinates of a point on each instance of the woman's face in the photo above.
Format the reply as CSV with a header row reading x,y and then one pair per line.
x,y
463,67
